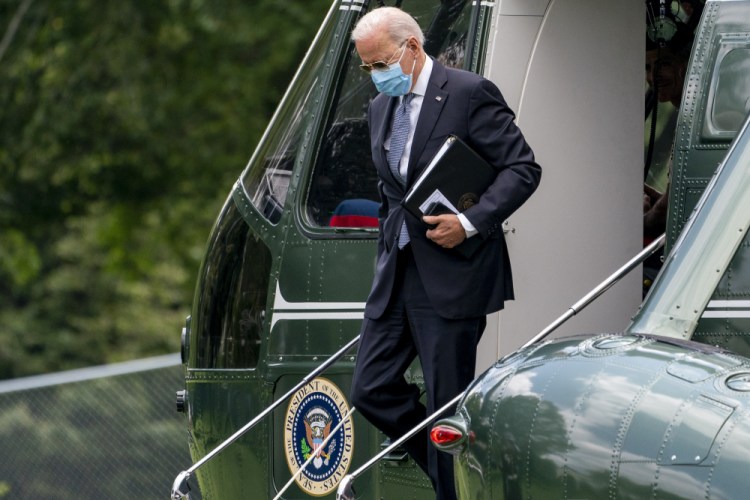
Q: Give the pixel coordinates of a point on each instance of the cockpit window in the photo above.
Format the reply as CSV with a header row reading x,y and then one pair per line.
x,y
267,177
343,188
228,310
729,96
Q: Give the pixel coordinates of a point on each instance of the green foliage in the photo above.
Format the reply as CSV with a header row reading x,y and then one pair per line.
x,y
123,126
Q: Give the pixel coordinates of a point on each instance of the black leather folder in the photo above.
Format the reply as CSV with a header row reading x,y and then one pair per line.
x,y
452,182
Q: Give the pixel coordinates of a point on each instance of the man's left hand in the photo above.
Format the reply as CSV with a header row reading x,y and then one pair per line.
x,y
448,231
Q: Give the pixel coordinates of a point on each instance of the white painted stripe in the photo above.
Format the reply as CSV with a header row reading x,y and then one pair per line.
x,y
315,315
282,309
318,315
343,7
726,314
281,304
729,303
356,7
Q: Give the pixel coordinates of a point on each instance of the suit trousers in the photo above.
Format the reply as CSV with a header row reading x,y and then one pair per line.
x,y
446,348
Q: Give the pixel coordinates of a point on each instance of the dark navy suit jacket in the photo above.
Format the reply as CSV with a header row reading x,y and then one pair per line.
x,y
466,105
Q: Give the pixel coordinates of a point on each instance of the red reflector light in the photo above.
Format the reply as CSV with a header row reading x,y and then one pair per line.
x,y
444,435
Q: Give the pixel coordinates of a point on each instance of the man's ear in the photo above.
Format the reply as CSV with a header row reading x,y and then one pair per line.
x,y
412,44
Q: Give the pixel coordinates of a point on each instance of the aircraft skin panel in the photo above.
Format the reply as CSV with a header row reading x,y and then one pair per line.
x,y
732,333
322,272
608,416
215,412
586,128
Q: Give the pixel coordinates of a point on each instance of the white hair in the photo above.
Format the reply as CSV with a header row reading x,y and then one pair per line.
x,y
397,24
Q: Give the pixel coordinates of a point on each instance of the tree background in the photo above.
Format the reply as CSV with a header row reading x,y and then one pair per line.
x,y
123,125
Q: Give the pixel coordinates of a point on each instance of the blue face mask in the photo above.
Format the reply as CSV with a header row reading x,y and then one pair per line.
x,y
392,81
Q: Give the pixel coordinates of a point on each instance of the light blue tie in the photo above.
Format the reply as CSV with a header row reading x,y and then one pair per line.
x,y
399,134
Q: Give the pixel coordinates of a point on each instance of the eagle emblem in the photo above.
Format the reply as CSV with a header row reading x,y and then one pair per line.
x,y
317,427
314,411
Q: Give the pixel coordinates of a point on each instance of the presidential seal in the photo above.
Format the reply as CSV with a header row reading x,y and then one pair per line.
x,y
467,200
313,413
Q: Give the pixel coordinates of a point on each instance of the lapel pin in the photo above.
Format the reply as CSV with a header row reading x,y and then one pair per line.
x,y
438,98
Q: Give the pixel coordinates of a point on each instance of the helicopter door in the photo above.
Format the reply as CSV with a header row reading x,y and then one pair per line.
x,y
328,258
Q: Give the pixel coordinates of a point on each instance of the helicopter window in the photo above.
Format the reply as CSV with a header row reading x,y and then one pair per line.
x,y
228,316
729,96
343,189
267,177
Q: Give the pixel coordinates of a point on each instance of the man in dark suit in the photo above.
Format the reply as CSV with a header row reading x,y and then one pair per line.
x,y
427,299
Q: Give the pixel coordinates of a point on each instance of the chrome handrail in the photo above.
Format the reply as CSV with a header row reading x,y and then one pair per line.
x,y
181,488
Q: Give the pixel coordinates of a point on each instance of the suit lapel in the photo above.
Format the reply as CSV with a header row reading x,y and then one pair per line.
x,y
432,106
